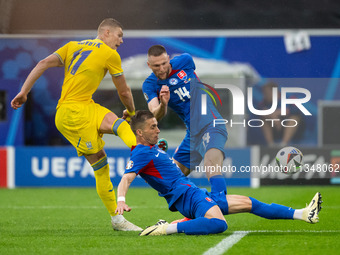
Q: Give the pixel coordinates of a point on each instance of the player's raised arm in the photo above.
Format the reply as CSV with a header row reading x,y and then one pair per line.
x,y
159,108
125,94
51,61
122,190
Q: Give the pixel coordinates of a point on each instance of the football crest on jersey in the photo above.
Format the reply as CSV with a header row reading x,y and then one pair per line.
x,y
89,145
173,81
129,165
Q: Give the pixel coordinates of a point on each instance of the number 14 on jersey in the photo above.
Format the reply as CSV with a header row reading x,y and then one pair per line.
x,y
182,93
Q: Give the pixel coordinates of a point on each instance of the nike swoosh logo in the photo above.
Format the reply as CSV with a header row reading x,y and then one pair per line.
x,y
151,231
157,155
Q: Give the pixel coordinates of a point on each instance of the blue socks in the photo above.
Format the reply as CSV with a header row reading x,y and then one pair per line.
x,y
271,211
202,226
218,184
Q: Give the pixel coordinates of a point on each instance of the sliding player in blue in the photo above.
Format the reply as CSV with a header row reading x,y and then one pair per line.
x,y
206,209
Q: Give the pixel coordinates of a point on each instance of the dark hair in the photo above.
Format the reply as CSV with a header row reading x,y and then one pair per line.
x,y
137,121
156,50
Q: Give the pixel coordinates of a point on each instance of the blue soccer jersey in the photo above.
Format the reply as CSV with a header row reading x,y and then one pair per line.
x,y
182,101
159,171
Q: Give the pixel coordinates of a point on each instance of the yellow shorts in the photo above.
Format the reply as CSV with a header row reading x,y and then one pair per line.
x,y
79,123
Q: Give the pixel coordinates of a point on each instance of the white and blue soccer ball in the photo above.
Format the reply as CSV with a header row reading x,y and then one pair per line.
x,y
163,144
290,160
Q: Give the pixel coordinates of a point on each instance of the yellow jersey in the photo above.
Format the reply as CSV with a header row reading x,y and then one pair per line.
x,y
86,63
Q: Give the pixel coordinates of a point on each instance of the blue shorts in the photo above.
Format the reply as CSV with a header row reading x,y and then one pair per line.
x,y
195,202
192,149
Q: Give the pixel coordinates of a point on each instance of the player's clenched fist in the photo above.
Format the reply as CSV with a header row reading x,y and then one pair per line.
x,y
19,100
164,94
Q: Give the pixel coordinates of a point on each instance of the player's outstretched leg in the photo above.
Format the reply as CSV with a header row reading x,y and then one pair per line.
x,y
107,195
199,226
276,211
213,222
271,211
202,226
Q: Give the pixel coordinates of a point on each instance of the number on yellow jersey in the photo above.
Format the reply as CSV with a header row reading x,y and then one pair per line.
x,y
82,56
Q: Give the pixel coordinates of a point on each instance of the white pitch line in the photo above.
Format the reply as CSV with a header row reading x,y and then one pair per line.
x,y
231,240
226,243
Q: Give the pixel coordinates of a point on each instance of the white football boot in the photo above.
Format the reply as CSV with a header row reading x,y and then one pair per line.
x,y
311,212
125,225
159,229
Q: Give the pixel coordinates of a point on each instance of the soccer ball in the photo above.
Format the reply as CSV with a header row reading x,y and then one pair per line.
x,y
290,160
162,144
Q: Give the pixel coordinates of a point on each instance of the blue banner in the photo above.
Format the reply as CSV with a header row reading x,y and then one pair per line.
x,y
61,167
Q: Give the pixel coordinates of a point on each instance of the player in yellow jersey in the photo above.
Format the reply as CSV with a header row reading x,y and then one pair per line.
x,y
78,117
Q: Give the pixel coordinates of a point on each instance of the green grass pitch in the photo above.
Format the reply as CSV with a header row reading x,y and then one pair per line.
x,y
74,221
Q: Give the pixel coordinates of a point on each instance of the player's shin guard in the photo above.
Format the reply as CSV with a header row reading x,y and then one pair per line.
x,y
218,183
104,185
122,129
202,226
271,211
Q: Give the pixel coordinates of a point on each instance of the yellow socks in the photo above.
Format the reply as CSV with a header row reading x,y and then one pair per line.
x,y
102,171
121,128
104,185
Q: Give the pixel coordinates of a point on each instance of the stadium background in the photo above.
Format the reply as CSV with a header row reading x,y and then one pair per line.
x,y
268,40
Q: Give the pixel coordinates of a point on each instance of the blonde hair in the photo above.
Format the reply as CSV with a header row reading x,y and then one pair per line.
x,y
109,22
